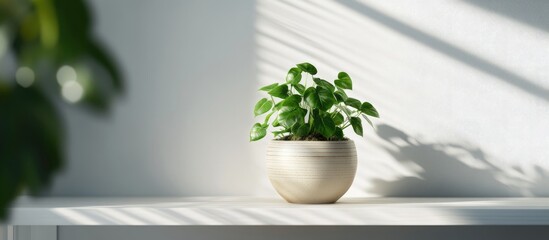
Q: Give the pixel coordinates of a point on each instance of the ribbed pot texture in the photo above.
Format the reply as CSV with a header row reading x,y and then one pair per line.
x,y
311,171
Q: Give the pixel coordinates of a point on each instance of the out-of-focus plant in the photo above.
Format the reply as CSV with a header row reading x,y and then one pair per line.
x,y
48,55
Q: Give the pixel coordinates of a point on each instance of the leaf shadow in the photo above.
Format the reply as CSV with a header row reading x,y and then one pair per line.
x,y
452,170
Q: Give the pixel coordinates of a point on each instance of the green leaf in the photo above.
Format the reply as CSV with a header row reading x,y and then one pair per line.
x,y
275,123
32,143
262,106
352,102
102,57
300,130
276,133
343,75
294,76
95,96
338,118
324,83
303,130
344,81
291,117
369,109
327,99
368,120
266,122
258,132
294,128
338,133
307,67
269,87
311,97
340,95
290,102
279,91
357,125
323,124
300,88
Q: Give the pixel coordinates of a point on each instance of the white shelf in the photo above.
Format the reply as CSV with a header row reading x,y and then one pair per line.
x,y
265,211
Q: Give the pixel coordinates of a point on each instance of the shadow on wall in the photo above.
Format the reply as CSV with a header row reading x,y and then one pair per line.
x,y
448,49
533,13
452,170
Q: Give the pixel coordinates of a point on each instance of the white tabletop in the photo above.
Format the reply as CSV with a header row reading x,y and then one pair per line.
x,y
274,211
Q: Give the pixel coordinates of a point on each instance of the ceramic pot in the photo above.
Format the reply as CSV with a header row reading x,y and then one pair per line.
x,y
311,171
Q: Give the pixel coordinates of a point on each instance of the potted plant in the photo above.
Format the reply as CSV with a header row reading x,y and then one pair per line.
x,y
310,160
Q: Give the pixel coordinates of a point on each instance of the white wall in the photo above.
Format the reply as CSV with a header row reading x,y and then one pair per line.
x,y
462,87
181,128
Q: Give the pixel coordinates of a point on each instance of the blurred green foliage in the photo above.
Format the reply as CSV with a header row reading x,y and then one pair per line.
x,y
48,55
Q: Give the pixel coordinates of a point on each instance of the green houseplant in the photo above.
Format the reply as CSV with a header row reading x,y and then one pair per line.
x,y
310,160
55,58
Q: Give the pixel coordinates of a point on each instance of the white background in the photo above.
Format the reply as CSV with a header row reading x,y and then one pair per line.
x,y
462,88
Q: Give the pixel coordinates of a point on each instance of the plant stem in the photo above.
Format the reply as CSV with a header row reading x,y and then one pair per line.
x,y
268,117
311,120
341,108
347,122
336,111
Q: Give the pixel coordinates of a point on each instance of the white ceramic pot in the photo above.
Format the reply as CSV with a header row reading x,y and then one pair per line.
x,y
311,171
